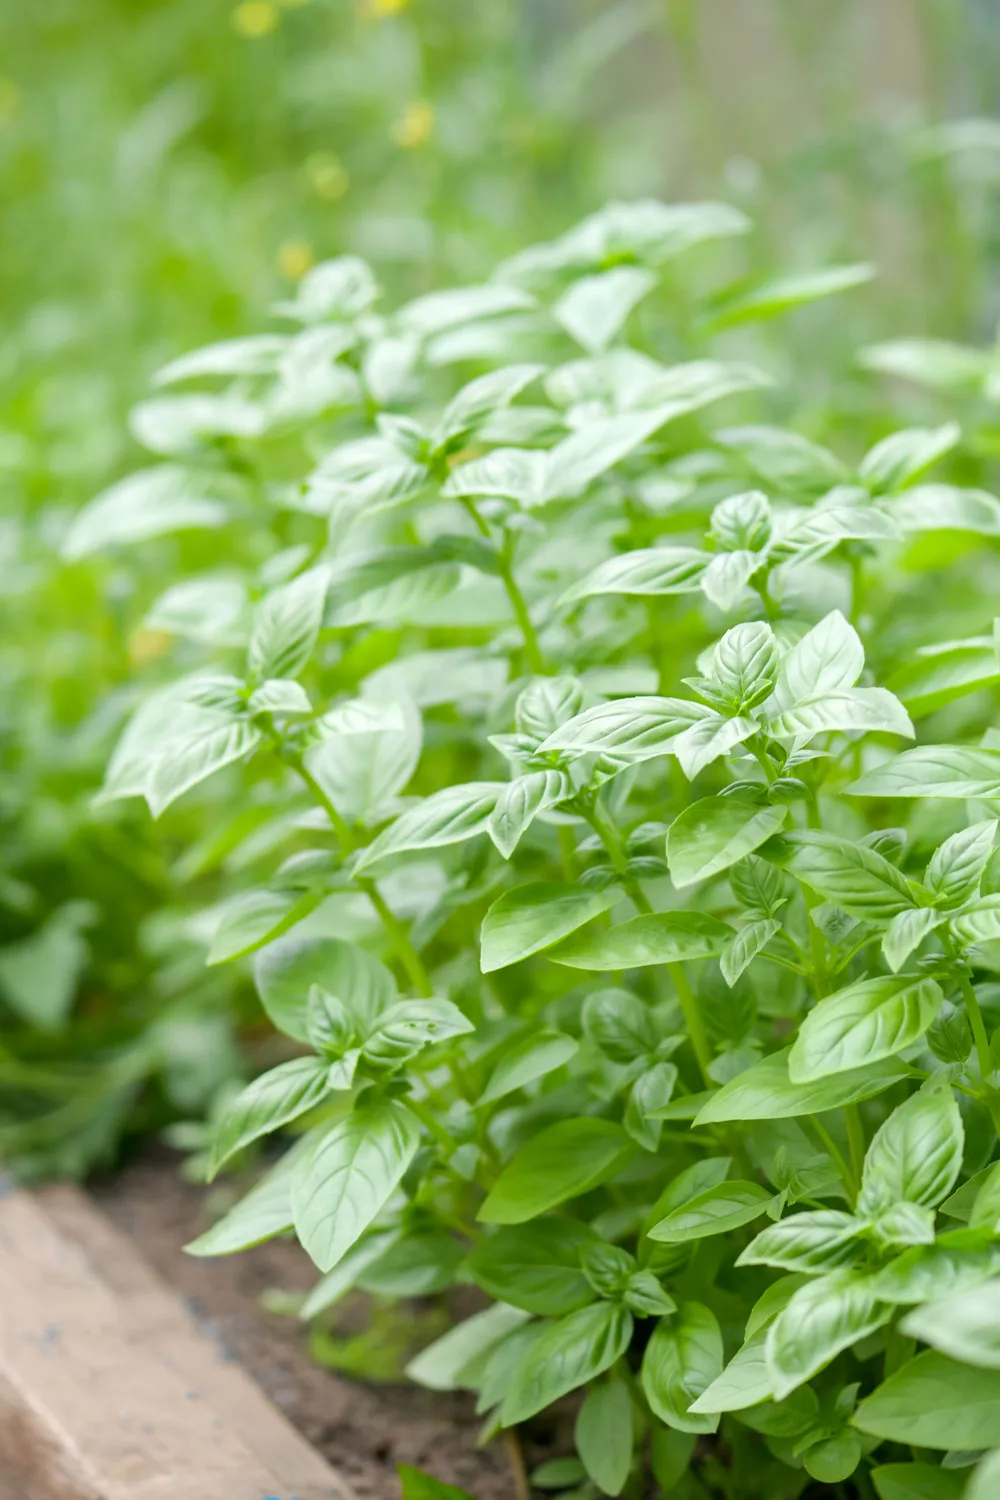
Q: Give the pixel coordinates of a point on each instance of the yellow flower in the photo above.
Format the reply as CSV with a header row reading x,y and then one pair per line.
x,y
415,125
379,8
256,17
328,177
294,259
148,645
10,98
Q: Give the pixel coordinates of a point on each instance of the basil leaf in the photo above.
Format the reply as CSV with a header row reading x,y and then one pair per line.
x,y
935,1402
663,938
714,833
531,918
766,1092
823,1317
604,1436
272,1100
533,1057
718,1209
349,1176
864,1023
570,1352
916,1155
535,1266
682,1359
560,1162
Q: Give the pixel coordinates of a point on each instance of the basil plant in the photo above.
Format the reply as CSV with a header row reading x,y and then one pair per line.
x,y
618,768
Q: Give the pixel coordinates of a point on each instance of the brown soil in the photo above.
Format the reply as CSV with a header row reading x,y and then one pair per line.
x,y
364,1430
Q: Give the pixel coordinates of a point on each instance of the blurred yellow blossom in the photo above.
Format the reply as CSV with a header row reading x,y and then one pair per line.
x,y
328,177
256,17
148,645
378,8
415,125
10,98
294,259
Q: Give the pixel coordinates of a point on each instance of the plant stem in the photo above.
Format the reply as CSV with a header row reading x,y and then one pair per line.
x,y
427,1117
847,1176
397,934
611,840
988,1093
855,1139
515,1457
532,650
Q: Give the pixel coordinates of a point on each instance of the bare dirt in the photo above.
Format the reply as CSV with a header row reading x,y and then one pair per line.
x,y
363,1429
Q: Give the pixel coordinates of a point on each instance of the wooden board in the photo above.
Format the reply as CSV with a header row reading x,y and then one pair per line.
x,y
109,1391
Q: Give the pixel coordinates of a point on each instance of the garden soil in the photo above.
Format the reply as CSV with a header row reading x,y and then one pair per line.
x,y
364,1430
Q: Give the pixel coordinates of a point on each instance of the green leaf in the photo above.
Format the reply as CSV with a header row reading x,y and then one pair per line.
x,y
906,932
959,864
650,571
256,918
916,1155
603,1435
899,459
480,398
188,762
620,1024
717,1210
869,1020
264,1212
39,975
853,710
828,659
822,1240
945,507
744,946
630,729
285,972
560,1162
938,674
442,1365
965,1325
661,938
956,1260
593,309
419,1486
286,625
682,1359
362,773
744,1382
978,923
934,771
535,1266
531,918
918,1482
823,1317
272,1100
570,1352
850,875
935,1402
349,1176
766,1092
447,817
786,293
519,804
651,1093
939,364
533,1057
714,833
150,503
986,1478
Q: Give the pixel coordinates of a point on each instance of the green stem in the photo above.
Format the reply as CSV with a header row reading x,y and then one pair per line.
x,y
427,1117
847,1176
397,934
687,1000
988,1093
532,650
855,1140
